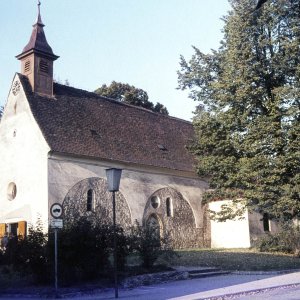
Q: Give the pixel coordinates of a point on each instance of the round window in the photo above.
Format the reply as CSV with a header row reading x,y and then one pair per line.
x,y
155,202
11,191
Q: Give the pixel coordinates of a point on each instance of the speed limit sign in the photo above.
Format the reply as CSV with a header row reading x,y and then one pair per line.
x,y
56,210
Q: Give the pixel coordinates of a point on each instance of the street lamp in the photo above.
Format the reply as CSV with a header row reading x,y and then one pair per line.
x,y
113,176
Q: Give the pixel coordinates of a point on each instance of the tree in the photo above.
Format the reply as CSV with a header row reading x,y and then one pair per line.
x,y
248,122
1,111
129,94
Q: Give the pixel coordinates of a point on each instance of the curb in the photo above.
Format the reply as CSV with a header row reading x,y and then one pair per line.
x,y
265,272
251,292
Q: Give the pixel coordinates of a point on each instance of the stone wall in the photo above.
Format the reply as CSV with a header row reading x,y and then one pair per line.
x,y
175,217
75,203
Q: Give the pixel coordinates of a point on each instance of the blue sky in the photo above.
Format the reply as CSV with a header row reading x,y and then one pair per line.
x,y
132,41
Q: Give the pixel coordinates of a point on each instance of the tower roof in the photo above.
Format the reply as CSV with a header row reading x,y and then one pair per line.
x,y
38,42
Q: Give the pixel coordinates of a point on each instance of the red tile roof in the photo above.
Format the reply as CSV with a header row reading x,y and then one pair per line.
x,y
83,123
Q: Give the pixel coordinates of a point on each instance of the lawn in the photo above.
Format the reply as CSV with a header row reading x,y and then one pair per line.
x,y
236,259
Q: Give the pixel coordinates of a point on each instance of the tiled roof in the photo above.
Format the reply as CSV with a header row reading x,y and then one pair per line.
x,y
83,123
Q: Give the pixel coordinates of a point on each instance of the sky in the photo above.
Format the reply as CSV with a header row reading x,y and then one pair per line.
x,y
131,41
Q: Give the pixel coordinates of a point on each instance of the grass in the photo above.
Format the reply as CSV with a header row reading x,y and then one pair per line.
x,y
236,259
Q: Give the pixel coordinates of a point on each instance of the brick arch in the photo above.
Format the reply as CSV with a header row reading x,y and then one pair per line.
x,y
74,203
181,225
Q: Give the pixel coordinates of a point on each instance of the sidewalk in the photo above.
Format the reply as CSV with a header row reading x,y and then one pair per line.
x,y
268,283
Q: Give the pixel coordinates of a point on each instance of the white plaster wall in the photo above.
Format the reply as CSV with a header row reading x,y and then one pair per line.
x,y
229,234
23,161
137,185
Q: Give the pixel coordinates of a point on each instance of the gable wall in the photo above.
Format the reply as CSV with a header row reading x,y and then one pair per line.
x,y
23,153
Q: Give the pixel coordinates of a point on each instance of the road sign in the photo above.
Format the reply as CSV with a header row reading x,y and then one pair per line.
x,y
56,223
56,210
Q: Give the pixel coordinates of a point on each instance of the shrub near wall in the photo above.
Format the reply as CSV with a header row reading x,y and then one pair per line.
x,y
287,240
28,255
149,245
83,251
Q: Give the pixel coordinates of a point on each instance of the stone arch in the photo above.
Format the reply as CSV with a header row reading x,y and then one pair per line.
x,y
180,226
75,203
155,224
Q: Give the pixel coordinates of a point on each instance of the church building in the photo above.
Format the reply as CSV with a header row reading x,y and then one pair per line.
x,y
56,143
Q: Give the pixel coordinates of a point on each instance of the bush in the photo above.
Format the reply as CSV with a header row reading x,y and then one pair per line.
x,y
85,249
82,251
146,241
286,241
123,245
28,255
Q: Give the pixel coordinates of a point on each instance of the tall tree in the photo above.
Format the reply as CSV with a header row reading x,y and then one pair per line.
x,y
124,92
248,121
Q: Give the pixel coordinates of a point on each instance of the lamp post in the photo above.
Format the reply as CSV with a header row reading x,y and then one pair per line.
x,y
113,176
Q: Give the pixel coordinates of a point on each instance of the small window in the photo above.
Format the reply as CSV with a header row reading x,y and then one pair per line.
x,y
155,202
13,229
27,66
90,200
169,207
44,66
266,222
11,191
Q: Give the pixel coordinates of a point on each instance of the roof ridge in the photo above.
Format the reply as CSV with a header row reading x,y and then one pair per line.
x,y
95,95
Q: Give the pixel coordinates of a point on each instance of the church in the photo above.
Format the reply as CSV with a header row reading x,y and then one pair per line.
x,y
56,143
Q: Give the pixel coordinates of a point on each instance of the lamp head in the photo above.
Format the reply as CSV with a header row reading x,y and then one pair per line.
x,y
113,176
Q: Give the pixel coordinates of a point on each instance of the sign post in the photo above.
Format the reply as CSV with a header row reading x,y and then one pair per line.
x,y
56,212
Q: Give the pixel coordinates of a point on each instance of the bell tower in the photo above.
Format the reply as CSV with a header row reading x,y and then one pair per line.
x,y
37,60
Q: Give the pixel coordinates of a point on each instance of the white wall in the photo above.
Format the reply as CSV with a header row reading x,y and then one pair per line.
x,y
23,160
229,234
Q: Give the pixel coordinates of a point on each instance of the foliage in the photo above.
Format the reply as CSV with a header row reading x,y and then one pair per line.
x,y
85,251
286,241
82,250
248,121
28,255
149,245
129,94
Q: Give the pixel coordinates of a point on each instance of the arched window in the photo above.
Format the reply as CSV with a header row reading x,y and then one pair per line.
x,y
169,207
90,200
154,228
266,222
